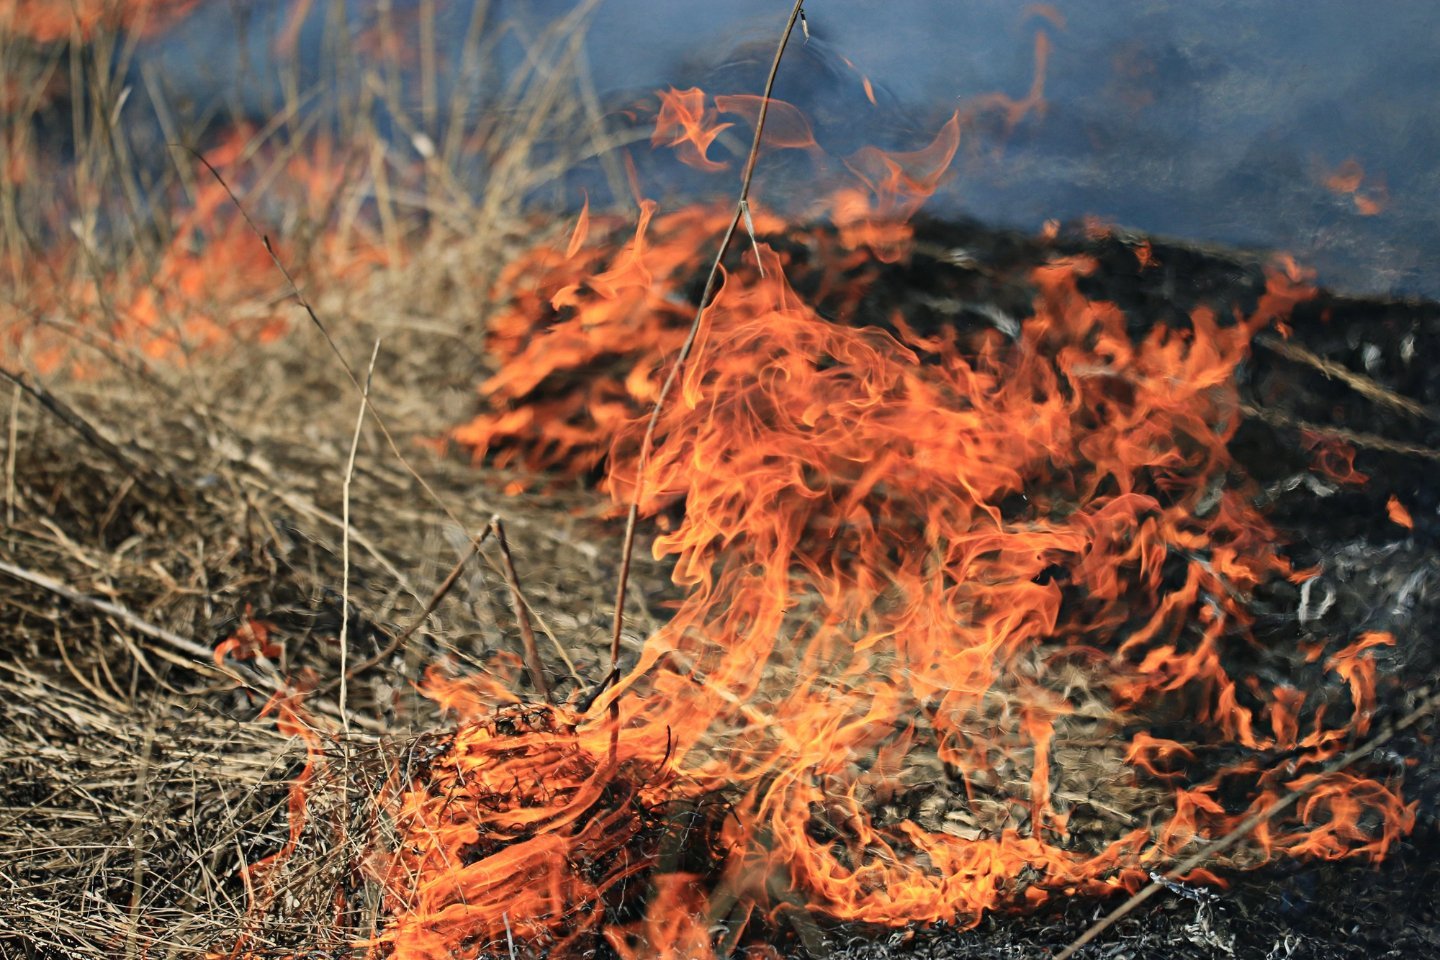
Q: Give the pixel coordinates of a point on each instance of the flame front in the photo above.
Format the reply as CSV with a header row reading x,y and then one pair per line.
x,y
966,611
943,594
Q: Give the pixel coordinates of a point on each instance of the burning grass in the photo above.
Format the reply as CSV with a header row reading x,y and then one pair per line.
x,y
980,582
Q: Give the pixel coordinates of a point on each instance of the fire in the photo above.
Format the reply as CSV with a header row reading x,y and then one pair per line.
x,y
891,188
46,21
965,614
1369,195
1399,514
211,283
940,584
918,566
685,124
251,639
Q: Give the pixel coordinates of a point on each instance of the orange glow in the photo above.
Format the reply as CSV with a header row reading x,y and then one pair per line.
x,y
1369,195
1145,256
892,186
674,927
1346,178
213,283
688,126
1013,110
1334,458
48,21
1398,514
250,640
1359,672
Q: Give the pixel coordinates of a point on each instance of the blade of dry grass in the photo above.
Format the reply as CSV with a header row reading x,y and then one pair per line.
x,y
345,542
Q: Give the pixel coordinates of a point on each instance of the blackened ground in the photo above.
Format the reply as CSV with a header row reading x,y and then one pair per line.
x,y
1330,911
1363,376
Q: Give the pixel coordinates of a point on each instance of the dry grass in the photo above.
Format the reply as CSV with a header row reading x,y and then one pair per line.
x,y
149,504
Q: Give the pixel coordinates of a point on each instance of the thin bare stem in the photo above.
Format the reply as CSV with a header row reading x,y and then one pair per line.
x,y
627,550
345,541
400,639
533,664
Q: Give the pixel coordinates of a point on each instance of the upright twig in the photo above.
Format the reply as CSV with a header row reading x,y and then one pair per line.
x,y
742,205
533,665
1429,700
400,639
345,542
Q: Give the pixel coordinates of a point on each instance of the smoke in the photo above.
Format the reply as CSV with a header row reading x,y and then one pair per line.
x,y
1219,124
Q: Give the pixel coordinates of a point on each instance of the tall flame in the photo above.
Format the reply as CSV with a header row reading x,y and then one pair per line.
x,y
917,567
966,611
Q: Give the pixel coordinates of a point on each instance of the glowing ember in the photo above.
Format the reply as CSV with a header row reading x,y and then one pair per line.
x,y
1369,195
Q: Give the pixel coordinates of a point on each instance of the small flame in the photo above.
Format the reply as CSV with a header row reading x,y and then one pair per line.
x,y
893,186
688,126
250,640
1369,195
1398,514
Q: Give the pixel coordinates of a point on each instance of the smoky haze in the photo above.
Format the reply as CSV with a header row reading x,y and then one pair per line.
x,y
1258,123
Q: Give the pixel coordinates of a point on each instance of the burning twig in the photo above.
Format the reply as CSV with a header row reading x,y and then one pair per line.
x,y
742,206
533,663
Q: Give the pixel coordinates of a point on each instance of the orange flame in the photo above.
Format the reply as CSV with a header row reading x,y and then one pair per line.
x,y
902,552
47,21
213,283
1334,457
250,640
893,187
848,526
687,125
1349,178
1398,514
